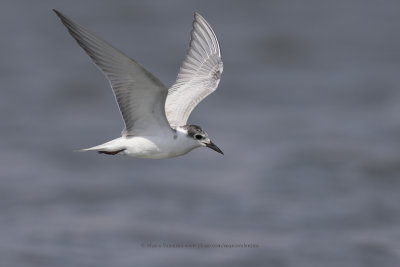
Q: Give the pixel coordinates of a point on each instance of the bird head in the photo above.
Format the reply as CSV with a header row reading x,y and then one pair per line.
x,y
200,137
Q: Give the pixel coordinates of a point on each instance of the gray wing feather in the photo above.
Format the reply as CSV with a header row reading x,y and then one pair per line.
x,y
199,74
139,94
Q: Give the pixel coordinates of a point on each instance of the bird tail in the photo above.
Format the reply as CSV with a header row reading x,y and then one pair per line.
x,y
109,148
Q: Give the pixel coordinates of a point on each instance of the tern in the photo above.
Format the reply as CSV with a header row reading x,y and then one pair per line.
x,y
155,117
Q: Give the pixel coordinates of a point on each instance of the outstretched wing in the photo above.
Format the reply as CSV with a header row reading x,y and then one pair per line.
x,y
199,74
140,95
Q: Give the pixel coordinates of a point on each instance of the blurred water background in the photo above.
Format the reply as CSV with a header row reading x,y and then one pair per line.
x,y
307,113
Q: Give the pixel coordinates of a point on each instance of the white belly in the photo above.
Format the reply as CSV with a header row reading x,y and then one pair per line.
x,y
156,147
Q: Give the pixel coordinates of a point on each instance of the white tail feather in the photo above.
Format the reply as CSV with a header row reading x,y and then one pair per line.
x,y
110,146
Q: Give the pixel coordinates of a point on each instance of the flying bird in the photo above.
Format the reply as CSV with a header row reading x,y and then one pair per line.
x,y
156,117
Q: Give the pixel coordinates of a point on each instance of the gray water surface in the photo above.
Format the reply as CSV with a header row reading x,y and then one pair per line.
x,y
307,113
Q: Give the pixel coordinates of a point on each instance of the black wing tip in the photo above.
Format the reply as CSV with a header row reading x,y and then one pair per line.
x,y
58,12
62,17
71,26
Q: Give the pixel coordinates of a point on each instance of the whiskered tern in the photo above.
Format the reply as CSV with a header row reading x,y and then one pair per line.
x,y
155,117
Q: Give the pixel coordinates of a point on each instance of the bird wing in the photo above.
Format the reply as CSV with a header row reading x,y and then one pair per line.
x,y
199,74
139,94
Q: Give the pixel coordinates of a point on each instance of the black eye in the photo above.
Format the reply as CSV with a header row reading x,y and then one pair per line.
x,y
198,137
